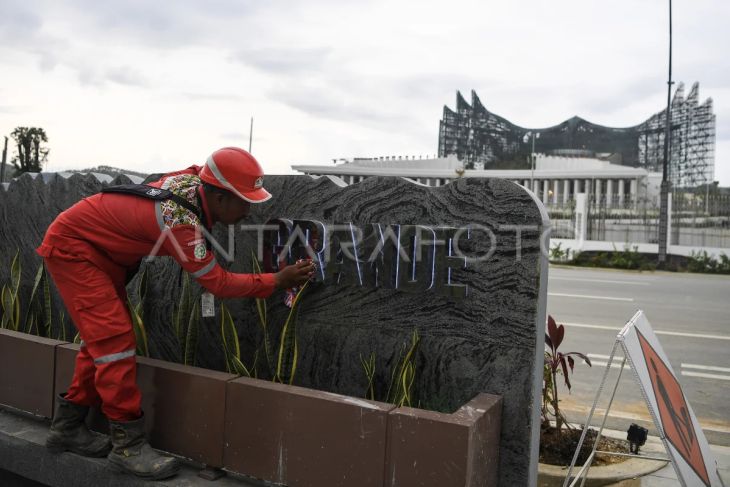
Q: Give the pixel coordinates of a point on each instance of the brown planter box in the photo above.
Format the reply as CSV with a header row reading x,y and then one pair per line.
x,y
427,449
26,372
184,406
302,437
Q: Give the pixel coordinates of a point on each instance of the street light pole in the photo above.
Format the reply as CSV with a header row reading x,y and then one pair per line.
x,y
664,193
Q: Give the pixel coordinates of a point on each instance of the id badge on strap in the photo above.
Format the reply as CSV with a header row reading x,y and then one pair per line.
x,y
207,305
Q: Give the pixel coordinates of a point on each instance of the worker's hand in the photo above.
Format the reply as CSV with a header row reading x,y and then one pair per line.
x,y
294,275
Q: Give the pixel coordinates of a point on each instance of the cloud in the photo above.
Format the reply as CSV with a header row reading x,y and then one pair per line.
x,y
325,102
234,136
722,131
18,22
12,109
288,61
607,102
169,25
126,76
222,97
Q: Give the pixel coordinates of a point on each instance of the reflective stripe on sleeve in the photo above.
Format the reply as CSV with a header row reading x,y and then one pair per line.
x,y
204,270
113,357
158,215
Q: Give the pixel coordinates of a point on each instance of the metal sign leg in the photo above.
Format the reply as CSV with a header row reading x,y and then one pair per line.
x,y
584,470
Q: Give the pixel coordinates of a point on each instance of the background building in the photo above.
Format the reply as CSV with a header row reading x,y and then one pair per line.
x,y
555,180
480,138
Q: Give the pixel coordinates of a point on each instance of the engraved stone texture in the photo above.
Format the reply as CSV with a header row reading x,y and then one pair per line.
x,y
484,342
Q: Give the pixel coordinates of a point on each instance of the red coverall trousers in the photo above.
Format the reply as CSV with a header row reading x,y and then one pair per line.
x,y
96,300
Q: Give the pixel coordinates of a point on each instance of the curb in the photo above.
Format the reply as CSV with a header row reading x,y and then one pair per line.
x,y
633,468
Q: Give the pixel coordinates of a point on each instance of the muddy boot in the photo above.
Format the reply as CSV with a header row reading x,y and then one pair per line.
x,y
69,432
132,454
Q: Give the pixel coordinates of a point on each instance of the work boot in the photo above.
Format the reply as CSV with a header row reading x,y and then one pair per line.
x,y
69,432
132,454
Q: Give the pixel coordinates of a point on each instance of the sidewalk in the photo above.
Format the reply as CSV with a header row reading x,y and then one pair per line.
x,y
666,476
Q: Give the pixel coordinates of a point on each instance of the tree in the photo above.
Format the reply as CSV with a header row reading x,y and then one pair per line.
x,y
31,153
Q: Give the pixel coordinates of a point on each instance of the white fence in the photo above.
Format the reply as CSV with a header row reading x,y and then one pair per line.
x,y
575,225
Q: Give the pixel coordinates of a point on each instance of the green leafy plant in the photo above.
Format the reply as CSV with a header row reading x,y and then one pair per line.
x,y
281,366
39,307
136,312
186,322
629,258
369,368
556,362
38,317
400,390
402,377
558,254
288,357
706,263
231,348
10,298
191,336
62,324
723,266
263,320
181,315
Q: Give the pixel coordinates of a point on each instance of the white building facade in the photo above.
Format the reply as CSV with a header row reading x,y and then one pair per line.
x,y
555,179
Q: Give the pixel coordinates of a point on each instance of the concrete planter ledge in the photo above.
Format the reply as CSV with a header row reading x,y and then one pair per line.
x,y
23,453
628,473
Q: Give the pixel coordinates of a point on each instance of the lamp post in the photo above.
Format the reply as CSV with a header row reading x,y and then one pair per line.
x,y
533,135
664,193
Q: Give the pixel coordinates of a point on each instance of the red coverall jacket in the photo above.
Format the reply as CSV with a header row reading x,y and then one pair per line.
x,y
89,250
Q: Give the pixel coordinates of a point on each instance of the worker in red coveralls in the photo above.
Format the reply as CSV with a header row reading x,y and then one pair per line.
x,y
89,251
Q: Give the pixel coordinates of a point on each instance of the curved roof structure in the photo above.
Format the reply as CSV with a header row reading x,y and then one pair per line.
x,y
478,137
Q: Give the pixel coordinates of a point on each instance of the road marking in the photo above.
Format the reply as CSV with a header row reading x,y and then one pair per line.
x,y
706,376
706,367
586,296
658,332
632,416
599,356
603,360
630,283
614,365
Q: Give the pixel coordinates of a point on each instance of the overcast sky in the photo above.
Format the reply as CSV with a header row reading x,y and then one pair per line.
x,y
154,86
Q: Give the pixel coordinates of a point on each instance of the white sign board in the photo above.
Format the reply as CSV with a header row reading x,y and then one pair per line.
x,y
673,416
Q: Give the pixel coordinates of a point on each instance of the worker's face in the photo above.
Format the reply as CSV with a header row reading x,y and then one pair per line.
x,y
232,209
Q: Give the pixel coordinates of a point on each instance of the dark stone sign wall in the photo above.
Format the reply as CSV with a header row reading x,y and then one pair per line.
x,y
490,340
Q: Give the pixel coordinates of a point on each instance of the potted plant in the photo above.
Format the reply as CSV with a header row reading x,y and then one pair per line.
x,y
559,439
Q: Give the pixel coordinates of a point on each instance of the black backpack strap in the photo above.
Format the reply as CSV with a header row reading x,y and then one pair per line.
x,y
157,194
141,190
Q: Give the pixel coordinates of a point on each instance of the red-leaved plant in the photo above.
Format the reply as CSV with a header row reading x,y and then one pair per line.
x,y
556,362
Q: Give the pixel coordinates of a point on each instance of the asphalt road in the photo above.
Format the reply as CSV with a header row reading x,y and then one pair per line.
x,y
690,314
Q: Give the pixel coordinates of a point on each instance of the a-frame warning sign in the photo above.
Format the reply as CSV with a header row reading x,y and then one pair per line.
x,y
673,410
672,414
